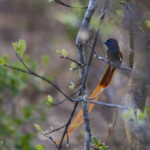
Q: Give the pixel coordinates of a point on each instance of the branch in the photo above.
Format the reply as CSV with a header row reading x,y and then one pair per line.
x,y
112,64
67,125
90,58
101,17
102,103
57,129
29,71
111,129
80,45
70,59
70,6
60,102
50,138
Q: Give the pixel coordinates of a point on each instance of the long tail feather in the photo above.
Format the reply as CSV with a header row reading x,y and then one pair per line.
x,y
103,83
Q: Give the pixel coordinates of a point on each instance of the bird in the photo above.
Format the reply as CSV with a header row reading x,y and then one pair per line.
x,y
113,53
115,57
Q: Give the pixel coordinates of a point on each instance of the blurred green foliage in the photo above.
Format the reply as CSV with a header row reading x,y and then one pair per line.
x,y
98,145
11,134
12,80
14,132
49,100
20,47
40,147
71,20
139,117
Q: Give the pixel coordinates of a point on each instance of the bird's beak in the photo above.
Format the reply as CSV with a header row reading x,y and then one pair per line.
x,y
106,42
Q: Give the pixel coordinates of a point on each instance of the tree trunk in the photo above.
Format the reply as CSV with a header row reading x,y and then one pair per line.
x,y
139,85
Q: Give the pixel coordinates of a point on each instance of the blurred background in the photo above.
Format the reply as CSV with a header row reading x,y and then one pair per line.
x,y
47,27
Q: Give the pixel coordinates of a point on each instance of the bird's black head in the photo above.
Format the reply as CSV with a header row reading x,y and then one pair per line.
x,y
112,43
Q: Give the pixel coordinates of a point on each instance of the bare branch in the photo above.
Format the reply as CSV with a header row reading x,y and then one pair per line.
x,y
70,6
67,125
70,59
49,132
50,138
111,129
80,44
62,101
90,58
102,103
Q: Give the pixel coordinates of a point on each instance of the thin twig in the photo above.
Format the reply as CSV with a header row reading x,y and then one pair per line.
x,y
100,17
50,138
53,141
70,6
50,132
23,63
62,101
70,59
90,58
67,125
111,129
29,71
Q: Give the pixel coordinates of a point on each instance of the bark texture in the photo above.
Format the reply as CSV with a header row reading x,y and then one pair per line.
x,y
137,13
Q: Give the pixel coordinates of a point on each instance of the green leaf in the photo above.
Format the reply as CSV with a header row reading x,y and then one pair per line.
x,y
141,115
122,2
128,114
40,147
45,59
2,62
5,58
15,46
116,20
72,85
99,145
38,127
64,52
49,100
147,22
27,111
22,45
96,142
147,110
72,65
119,12
59,52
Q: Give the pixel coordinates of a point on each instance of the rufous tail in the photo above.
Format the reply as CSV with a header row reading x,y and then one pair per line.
x,y
103,83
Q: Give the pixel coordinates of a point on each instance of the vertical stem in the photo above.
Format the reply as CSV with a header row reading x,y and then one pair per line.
x,y
80,45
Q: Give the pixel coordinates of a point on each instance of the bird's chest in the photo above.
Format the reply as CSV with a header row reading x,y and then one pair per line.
x,y
113,55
